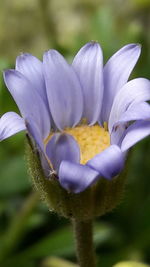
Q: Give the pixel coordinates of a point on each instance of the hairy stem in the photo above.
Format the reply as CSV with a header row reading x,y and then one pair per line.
x,y
83,232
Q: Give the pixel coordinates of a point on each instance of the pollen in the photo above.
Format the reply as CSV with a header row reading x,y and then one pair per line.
x,y
91,139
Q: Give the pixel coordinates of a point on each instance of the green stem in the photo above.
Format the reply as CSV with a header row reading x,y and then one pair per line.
x,y
83,232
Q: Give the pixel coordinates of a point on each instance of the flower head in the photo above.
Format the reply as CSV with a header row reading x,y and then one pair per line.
x,y
83,117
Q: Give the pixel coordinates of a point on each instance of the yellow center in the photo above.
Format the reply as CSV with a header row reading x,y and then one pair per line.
x,y
91,140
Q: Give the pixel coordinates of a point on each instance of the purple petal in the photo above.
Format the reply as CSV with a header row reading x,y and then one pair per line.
x,y
63,90
32,69
109,162
136,132
116,73
28,100
133,92
62,147
138,111
88,64
117,133
34,132
76,177
10,124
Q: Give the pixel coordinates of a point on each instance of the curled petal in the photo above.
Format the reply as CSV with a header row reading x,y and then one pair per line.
x,y
109,162
136,132
10,124
62,147
140,111
133,92
28,100
76,177
116,73
117,133
88,64
63,90
32,68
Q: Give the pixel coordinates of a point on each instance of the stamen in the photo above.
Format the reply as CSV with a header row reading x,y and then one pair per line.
x,y
91,139
105,126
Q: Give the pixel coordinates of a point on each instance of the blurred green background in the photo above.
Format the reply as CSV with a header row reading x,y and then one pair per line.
x,y
30,235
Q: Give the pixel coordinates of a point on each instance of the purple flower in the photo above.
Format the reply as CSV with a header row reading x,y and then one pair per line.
x,y
83,117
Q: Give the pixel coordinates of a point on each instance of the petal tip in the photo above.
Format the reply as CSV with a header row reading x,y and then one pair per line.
x,y
51,52
7,74
22,57
136,47
92,45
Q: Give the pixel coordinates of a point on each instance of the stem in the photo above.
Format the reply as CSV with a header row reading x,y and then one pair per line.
x,y
84,243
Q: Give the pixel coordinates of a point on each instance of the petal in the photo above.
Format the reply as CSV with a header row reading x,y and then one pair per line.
x,y
117,133
88,64
116,73
34,132
140,111
10,124
109,162
136,132
28,100
63,90
76,177
32,69
62,147
133,92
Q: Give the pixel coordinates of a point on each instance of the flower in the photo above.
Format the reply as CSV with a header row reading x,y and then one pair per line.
x,y
82,116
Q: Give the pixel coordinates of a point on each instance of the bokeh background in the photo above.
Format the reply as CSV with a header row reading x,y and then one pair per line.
x,y
30,235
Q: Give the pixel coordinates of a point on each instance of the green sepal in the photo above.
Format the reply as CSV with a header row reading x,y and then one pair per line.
x,y
95,201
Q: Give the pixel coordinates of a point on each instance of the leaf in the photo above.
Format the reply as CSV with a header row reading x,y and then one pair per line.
x,y
60,243
13,178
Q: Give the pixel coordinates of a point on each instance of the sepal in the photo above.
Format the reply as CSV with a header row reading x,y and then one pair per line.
x,y
95,201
